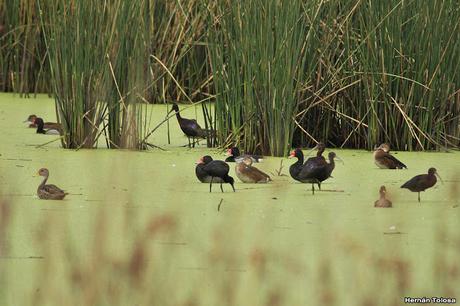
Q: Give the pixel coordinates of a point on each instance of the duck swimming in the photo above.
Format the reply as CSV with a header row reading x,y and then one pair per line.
x,y
47,125
49,192
234,155
249,174
384,160
383,201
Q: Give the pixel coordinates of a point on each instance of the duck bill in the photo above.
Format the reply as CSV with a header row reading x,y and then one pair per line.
x,y
229,152
292,154
200,161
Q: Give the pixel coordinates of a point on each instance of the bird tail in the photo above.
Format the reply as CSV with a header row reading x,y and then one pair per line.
x,y
206,133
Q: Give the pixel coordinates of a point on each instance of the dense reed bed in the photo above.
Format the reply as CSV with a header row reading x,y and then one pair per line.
x,y
281,73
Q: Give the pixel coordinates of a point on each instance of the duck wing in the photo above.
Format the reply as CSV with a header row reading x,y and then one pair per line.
x,y
392,162
52,189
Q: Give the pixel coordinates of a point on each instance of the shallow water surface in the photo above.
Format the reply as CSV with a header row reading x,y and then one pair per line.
x,y
334,240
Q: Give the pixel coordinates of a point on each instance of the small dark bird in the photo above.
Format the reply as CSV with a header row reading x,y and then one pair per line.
x,y
383,158
190,127
422,182
49,192
234,155
52,130
218,169
249,174
383,202
201,174
314,171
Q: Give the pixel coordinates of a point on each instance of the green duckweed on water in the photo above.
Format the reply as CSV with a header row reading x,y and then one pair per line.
x,y
138,227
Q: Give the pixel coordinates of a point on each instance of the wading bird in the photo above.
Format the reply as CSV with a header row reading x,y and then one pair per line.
x,y
190,127
314,171
422,182
217,169
249,174
202,175
383,201
383,159
49,192
234,155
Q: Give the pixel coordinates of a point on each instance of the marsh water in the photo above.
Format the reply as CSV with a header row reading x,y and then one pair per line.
x,y
220,238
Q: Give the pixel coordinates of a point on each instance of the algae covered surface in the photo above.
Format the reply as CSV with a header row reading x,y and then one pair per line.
x,y
266,243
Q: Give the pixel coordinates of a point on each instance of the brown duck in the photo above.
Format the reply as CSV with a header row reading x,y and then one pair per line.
x,y
50,191
383,201
383,158
249,174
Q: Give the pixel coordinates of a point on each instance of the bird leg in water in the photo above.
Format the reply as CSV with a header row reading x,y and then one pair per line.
x,y
210,184
419,196
319,185
221,187
313,189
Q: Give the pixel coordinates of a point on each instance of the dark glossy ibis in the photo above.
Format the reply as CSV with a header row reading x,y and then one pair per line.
x,y
218,169
190,127
422,182
234,155
383,201
249,174
202,175
314,171
51,130
383,158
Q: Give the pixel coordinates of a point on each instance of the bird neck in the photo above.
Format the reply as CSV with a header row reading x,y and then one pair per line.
x,y
178,115
43,182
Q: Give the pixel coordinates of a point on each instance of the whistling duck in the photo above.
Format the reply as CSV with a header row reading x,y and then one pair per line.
x,y
235,156
249,174
422,182
203,176
383,158
49,192
52,130
314,171
217,169
383,201
190,127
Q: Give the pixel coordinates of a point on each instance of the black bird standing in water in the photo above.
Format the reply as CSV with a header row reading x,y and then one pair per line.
x,y
190,127
202,175
217,169
422,182
314,171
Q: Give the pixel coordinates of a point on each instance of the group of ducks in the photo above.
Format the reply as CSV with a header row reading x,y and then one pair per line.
x,y
313,171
